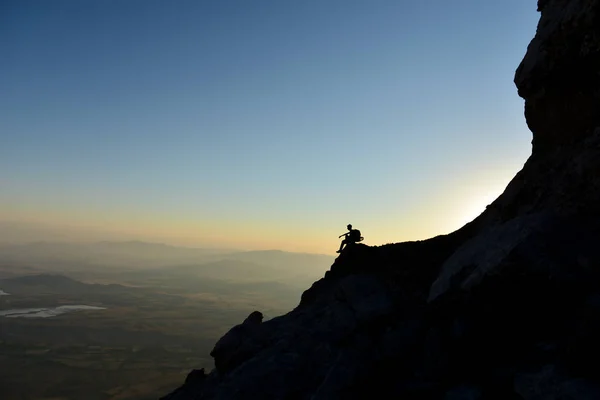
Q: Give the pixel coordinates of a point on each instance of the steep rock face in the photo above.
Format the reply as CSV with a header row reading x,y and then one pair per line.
x,y
560,74
507,307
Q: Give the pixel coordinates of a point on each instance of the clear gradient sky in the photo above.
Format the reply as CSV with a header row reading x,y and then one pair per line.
x,y
263,123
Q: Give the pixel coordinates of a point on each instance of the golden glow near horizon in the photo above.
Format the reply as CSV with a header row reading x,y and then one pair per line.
x,y
441,214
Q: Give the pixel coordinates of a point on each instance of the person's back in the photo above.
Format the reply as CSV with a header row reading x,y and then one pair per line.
x,y
355,235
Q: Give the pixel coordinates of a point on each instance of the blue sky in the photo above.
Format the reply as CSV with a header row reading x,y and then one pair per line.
x,y
263,123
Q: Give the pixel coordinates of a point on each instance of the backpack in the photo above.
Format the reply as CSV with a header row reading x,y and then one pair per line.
x,y
355,235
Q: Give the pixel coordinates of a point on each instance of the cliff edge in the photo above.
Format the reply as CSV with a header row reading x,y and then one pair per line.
x,y
507,307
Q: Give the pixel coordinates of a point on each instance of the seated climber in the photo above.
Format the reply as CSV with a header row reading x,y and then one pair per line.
x,y
352,236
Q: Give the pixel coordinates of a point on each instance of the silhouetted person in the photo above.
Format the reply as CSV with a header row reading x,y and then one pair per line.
x,y
352,236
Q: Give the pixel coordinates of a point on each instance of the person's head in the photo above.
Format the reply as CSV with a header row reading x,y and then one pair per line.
x,y
349,227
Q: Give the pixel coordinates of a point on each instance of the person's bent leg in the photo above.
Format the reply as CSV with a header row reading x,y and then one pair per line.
x,y
344,242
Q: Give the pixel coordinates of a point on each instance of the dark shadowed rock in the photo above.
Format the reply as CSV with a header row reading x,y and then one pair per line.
x,y
505,308
195,377
558,78
194,382
550,383
464,392
240,343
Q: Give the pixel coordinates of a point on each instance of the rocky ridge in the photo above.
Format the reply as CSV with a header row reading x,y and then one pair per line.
x,y
507,307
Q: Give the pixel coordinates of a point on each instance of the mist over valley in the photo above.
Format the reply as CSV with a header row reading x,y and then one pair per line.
x,y
142,313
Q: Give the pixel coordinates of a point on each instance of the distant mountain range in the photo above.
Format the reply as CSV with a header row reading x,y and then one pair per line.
x,y
156,284
137,255
53,283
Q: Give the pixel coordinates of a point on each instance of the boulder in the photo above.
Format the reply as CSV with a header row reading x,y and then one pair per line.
x,y
240,343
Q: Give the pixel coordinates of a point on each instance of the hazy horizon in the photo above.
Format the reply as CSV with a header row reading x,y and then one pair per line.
x,y
146,312
266,125
22,233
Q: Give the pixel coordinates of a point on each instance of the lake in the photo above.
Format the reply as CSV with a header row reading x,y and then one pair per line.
x,y
45,312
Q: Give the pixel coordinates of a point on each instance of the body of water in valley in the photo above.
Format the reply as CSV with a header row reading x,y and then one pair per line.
x,y
45,312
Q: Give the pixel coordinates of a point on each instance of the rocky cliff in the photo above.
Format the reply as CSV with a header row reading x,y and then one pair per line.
x,y
507,307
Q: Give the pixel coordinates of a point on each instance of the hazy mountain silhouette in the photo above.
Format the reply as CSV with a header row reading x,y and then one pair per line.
x,y
56,284
283,259
137,254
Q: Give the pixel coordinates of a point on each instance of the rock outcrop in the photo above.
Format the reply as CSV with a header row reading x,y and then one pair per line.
x,y
241,343
507,307
559,76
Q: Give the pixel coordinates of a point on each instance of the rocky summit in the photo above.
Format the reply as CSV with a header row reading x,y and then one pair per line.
x,y
507,307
